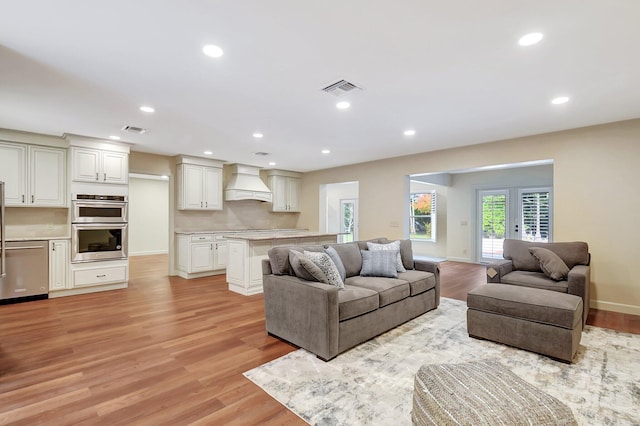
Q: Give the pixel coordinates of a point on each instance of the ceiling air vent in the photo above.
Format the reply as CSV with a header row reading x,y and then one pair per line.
x,y
341,87
134,129
260,153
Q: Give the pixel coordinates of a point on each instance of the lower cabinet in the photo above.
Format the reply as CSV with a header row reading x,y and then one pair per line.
x,y
59,258
200,255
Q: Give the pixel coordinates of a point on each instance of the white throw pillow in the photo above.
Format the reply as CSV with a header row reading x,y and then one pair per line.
x,y
326,265
389,246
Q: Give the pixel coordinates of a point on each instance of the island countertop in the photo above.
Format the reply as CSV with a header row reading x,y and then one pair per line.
x,y
262,236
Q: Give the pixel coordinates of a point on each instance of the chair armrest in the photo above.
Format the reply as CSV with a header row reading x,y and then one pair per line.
x,y
498,269
302,312
434,268
579,279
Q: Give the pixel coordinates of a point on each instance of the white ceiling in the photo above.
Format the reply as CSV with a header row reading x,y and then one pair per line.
x,y
451,70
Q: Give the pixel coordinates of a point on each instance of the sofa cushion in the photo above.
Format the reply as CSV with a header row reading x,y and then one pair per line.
x,y
351,258
406,252
354,301
550,263
571,253
362,245
326,265
389,290
392,246
381,263
419,281
279,261
304,268
535,280
335,257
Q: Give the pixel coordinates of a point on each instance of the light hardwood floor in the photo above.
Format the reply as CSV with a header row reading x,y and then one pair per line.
x,y
164,351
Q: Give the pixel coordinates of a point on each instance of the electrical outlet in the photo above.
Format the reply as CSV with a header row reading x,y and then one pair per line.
x,y
394,224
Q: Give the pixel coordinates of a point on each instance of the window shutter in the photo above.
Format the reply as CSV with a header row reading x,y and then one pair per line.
x,y
535,216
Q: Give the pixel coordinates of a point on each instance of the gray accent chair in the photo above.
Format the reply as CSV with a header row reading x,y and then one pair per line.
x,y
520,268
326,321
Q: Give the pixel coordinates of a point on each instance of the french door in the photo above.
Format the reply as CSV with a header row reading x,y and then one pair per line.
x,y
528,218
348,220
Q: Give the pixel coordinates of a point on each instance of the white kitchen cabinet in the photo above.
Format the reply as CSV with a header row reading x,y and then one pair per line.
x,y
199,255
34,176
59,258
99,166
285,187
220,254
199,186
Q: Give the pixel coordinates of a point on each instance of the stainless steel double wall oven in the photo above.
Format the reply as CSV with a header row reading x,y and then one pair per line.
x,y
99,227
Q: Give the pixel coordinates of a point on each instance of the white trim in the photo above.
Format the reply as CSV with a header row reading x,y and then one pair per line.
x,y
147,253
615,307
148,176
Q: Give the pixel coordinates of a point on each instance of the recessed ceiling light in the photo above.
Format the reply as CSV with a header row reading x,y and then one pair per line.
x,y
560,100
208,153
343,105
409,132
115,138
530,39
272,163
258,135
146,108
326,151
212,51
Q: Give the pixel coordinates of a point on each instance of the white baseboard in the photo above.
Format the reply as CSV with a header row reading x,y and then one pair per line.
x,y
461,259
615,307
147,253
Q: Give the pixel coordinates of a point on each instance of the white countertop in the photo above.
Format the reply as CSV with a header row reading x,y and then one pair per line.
x,y
37,238
238,231
278,235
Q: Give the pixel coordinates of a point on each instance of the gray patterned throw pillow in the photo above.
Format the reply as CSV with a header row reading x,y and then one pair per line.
x,y
333,254
390,246
326,265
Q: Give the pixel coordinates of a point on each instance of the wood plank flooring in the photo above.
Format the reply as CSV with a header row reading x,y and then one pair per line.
x,y
164,351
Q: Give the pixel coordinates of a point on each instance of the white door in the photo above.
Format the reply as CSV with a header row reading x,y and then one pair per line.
x,y
115,167
201,257
348,220
529,218
13,173
47,176
86,164
212,188
193,186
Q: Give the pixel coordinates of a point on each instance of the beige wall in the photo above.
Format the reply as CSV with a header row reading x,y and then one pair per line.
x,y
593,166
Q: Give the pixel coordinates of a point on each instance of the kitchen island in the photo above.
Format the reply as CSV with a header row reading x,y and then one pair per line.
x,y
246,251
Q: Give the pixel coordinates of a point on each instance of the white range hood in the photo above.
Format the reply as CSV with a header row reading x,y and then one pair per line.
x,y
245,184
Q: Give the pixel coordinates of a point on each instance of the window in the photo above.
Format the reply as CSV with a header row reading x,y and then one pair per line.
x,y
422,217
535,215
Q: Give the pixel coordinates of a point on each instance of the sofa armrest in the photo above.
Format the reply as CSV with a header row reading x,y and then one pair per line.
x,y
498,269
302,312
434,268
579,281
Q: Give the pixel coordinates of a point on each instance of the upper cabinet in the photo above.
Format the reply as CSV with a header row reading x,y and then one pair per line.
x,y
285,187
34,176
99,166
199,183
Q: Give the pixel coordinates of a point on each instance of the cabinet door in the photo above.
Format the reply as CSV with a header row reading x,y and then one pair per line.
x,y
220,255
47,177
212,189
235,262
191,186
13,172
201,257
115,167
86,165
59,265
293,193
278,186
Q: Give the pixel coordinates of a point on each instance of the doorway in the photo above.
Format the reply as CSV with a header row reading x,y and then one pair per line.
x,y
516,213
338,213
148,214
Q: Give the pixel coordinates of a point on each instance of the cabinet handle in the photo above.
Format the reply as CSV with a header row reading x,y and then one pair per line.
x,y
22,198
53,247
206,204
200,204
100,276
105,177
216,246
97,176
32,199
211,246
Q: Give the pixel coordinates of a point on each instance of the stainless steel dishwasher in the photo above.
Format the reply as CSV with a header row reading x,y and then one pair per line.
x,y
24,266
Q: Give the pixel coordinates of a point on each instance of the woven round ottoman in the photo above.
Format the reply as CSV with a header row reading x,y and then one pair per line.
x,y
482,393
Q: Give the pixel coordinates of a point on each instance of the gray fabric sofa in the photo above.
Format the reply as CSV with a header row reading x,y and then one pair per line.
x,y
327,321
521,268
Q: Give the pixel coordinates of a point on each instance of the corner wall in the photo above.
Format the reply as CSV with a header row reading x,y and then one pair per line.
x,y
595,175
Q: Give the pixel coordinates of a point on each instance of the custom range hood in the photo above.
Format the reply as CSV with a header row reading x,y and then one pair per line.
x,y
245,184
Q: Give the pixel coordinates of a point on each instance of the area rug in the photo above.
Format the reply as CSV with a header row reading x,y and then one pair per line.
x,y
372,384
